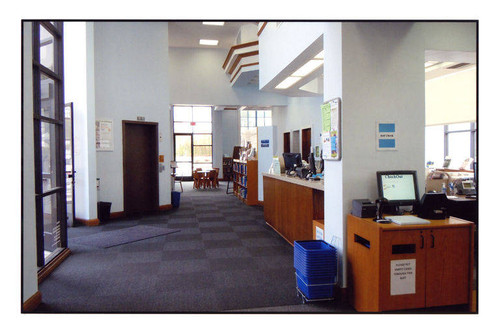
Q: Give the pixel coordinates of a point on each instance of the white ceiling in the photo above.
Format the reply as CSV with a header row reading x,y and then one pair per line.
x,y
189,33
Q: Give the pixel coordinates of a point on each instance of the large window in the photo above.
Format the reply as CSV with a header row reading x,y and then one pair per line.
x,y
457,141
250,120
192,139
48,116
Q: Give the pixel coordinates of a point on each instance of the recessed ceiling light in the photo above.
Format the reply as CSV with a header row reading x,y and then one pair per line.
x,y
209,42
213,23
288,82
308,68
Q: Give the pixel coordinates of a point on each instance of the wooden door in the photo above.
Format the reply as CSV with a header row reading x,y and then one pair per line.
x,y
448,266
306,143
286,142
140,167
402,287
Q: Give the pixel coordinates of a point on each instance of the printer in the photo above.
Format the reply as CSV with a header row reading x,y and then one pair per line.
x,y
363,208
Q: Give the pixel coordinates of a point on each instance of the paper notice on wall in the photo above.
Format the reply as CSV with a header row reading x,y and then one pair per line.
x,y
319,234
326,117
403,276
326,145
104,135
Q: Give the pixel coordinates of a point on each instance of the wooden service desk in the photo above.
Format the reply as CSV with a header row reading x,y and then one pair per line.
x,y
393,267
291,204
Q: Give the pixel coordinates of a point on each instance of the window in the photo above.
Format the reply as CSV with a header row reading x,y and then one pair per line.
x,y
48,118
192,139
458,141
250,120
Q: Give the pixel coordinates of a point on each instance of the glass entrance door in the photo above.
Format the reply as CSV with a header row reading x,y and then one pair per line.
x,y
184,155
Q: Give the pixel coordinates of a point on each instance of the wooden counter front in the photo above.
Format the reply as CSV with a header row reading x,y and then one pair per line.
x,y
441,252
290,207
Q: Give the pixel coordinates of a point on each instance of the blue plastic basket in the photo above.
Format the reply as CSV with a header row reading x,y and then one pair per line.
x,y
317,278
315,259
315,291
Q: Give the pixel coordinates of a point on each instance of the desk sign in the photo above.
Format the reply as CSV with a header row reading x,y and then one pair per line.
x,y
386,136
403,276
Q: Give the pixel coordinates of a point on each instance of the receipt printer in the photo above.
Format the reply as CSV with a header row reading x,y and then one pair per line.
x,y
363,208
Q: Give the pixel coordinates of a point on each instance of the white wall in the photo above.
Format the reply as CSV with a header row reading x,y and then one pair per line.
x,y
383,80
217,140
451,98
333,171
302,112
29,276
79,89
230,130
131,79
198,78
280,45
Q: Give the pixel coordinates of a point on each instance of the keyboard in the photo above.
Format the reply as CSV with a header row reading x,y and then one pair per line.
x,y
407,220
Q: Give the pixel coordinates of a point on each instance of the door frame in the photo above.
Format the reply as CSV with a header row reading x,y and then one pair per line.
x,y
70,105
186,178
190,178
156,165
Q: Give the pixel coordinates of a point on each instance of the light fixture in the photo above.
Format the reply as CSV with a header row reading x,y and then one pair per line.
x,y
320,55
211,42
308,68
303,71
213,23
288,82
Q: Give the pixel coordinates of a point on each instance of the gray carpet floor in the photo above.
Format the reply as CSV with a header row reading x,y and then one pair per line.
x,y
224,258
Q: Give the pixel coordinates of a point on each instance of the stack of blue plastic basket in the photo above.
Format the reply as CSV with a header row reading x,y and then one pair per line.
x,y
315,265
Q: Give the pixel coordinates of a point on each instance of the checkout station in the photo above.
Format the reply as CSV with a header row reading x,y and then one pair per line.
x,y
294,200
403,251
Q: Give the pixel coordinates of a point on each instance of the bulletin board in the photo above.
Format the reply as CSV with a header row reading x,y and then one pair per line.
x,y
331,129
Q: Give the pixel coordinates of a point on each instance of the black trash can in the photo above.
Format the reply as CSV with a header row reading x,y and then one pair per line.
x,y
176,199
103,210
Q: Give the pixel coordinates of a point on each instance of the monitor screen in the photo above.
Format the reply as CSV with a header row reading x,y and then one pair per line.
x,y
398,187
292,160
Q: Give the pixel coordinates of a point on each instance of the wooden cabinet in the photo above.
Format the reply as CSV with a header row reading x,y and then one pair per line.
x,y
435,260
290,208
245,181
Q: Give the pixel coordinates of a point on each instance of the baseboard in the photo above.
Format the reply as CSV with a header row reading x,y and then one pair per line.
x,y
33,302
116,215
53,264
89,223
165,207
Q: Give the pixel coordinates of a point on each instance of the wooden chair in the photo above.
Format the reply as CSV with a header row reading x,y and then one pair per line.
x,y
216,181
197,181
212,178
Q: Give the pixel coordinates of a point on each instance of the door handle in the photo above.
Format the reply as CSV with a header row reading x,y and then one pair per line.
x,y
432,244
422,241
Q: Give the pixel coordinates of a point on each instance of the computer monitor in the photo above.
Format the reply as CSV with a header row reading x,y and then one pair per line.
x,y
400,187
292,160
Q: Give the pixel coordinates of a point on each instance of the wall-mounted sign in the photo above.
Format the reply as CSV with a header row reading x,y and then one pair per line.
x,y
331,129
386,136
264,143
104,135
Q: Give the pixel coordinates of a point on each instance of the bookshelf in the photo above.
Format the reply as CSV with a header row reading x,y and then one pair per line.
x,y
245,181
